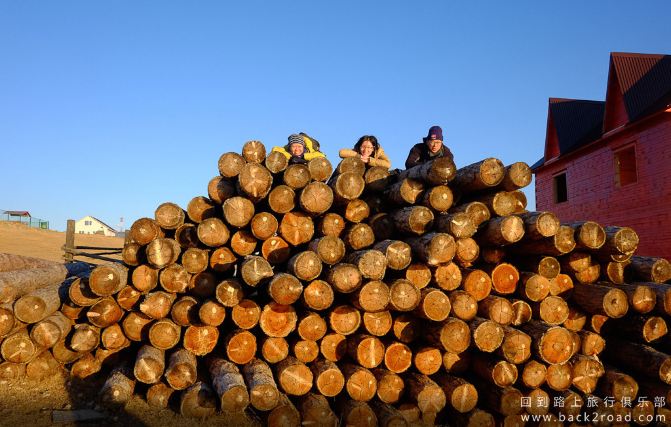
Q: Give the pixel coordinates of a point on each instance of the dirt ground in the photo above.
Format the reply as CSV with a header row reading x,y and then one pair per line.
x,y
23,401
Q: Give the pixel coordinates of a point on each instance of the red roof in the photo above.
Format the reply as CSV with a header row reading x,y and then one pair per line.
x,y
17,213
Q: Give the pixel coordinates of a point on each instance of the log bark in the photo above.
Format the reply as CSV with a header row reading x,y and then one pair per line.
x,y
637,328
263,392
561,243
315,410
149,364
650,269
382,226
357,414
278,320
229,385
119,387
500,373
387,415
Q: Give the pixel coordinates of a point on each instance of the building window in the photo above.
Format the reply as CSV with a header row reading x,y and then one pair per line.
x,y
625,166
88,222
560,188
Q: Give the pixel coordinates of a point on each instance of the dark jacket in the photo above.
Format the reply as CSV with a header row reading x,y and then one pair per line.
x,y
420,154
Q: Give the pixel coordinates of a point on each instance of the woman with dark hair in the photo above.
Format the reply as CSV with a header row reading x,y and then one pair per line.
x,y
369,151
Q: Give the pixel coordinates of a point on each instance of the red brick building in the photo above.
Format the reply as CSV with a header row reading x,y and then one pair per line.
x,y
610,161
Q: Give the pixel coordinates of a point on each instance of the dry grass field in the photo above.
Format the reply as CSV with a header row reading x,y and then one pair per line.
x,y
30,402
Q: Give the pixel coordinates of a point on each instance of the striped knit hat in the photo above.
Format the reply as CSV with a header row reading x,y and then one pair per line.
x,y
296,139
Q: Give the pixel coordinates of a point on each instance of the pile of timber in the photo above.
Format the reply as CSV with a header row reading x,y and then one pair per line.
x,y
363,297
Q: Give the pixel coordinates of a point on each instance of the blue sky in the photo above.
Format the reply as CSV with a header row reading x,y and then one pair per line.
x,y
110,108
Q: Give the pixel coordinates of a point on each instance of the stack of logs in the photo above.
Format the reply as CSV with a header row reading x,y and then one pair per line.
x,y
365,297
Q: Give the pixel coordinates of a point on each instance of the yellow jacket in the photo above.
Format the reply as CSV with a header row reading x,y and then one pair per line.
x,y
310,152
379,158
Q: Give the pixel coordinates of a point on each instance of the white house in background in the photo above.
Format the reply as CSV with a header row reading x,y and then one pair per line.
x,y
92,225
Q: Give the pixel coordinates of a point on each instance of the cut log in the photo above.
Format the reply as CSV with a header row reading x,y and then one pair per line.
x,y
546,266
104,313
85,338
145,230
276,250
264,225
331,224
220,189
428,395
157,304
296,176
561,243
372,297
108,279
360,383
276,162
213,232
347,186
378,323
169,216
377,179
614,272
371,263
80,293
113,337
263,392
200,340
586,371
229,292
174,279
387,415
44,366
19,348
562,285
246,314
642,298
382,226
453,334
439,171
428,360
404,296
359,236
517,175
145,278
481,175
533,287
135,326
132,254
274,349
413,220
501,231
195,260
500,373
149,364
463,305
357,414
200,208
504,278
446,276
254,270
650,269
293,376
636,328
405,192
553,344
238,211
344,319
477,211
46,333
522,312
599,299
296,228
345,278
198,401
331,249
240,346
38,304
186,236
419,274
184,311
487,335
320,169
284,288
439,198
467,251
477,283
533,374
282,199
552,310
228,384
160,253
433,248
397,253
318,295
305,351
366,350
589,235
390,386
230,164
164,334
278,320
255,181
333,346
305,265
284,414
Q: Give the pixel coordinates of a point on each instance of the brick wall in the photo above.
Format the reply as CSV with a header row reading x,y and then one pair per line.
x,y
593,193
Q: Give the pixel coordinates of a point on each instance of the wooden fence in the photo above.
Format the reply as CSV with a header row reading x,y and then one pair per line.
x,y
70,250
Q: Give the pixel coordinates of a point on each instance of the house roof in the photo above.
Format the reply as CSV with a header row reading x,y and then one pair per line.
x,y
645,81
111,228
17,213
578,122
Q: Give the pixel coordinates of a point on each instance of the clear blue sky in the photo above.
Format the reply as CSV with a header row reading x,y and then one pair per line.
x,y
109,108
